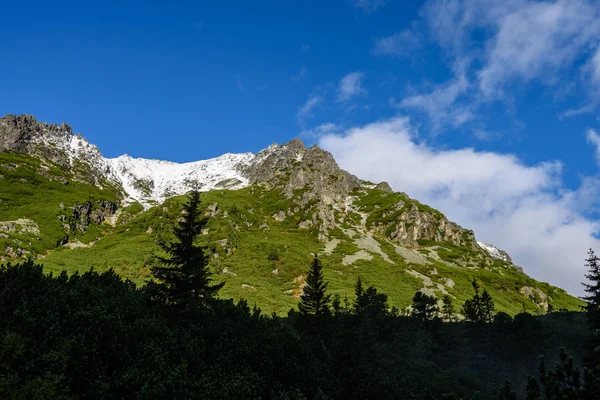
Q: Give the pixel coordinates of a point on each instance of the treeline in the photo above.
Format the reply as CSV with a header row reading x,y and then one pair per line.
x,y
95,336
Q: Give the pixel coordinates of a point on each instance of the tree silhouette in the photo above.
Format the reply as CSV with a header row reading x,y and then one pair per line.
x,y
447,308
593,288
480,308
314,301
424,306
184,276
359,300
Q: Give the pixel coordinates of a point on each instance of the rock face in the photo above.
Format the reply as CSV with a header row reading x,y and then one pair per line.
x,y
56,144
21,226
292,167
90,212
414,225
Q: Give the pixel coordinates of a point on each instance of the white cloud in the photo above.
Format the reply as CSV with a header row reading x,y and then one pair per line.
x,y
369,5
439,104
305,48
594,139
399,44
306,111
537,40
321,130
495,43
524,209
350,86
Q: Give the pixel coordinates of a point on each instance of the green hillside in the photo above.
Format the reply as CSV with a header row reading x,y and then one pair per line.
x,y
263,260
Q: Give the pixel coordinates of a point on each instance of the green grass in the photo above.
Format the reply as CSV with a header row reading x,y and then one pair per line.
x,y
26,192
244,262
130,247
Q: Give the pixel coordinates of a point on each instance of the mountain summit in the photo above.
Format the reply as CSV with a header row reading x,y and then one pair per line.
x,y
64,202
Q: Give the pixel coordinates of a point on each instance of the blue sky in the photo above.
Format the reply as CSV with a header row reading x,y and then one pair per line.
x,y
491,107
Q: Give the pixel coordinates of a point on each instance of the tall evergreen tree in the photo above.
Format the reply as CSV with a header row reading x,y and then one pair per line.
x,y
487,307
314,301
593,305
424,306
184,274
359,300
480,308
372,302
593,287
447,308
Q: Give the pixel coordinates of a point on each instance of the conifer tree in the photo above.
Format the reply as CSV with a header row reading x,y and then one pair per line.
x,y
487,307
359,300
314,301
447,308
424,306
480,308
593,287
373,302
184,275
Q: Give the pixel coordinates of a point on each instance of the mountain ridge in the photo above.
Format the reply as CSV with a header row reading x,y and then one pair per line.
x,y
287,201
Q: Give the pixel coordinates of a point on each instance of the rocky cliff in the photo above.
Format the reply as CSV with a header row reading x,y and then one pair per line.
x,y
55,144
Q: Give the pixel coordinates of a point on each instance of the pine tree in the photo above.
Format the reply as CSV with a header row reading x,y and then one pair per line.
x,y
373,303
593,288
358,301
184,276
486,312
447,308
480,308
424,306
314,301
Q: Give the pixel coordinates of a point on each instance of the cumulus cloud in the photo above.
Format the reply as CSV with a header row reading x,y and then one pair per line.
x,y
321,130
306,111
399,44
350,86
537,40
493,44
439,104
524,209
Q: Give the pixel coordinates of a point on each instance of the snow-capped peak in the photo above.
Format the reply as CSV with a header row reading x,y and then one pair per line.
x,y
148,181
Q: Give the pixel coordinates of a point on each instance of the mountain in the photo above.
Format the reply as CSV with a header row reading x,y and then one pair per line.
x,y
64,203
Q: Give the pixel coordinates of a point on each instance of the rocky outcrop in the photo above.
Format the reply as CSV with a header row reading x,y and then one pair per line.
x,y
413,225
90,213
21,226
536,295
55,144
292,167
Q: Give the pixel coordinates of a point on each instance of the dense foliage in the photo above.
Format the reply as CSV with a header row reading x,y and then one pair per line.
x,y
96,336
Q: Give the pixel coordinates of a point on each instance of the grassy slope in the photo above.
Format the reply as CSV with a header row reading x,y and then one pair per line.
x,y
26,192
248,271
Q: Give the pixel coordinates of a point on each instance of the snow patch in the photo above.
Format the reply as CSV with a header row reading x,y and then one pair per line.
x,y
149,181
494,251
